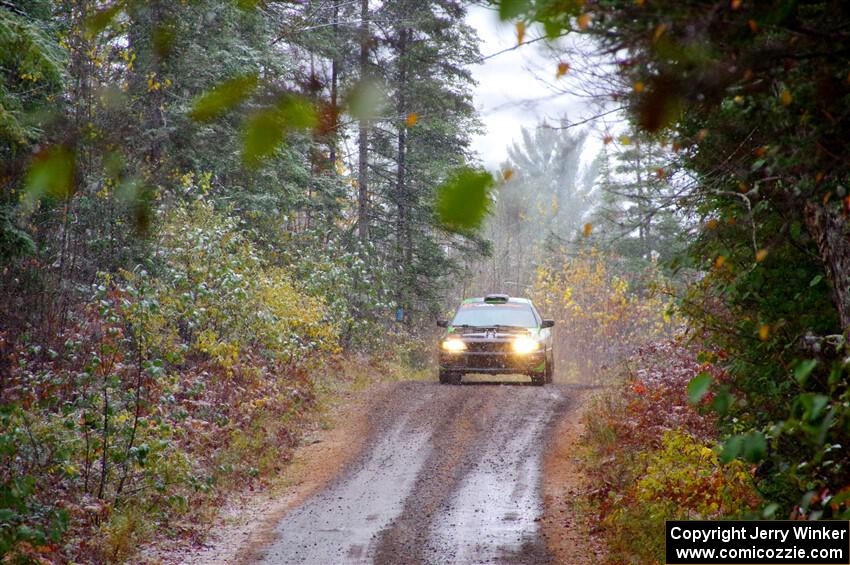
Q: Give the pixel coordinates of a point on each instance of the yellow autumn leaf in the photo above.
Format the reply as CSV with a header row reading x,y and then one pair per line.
x,y
507,174
720,261
785,97
607,139
625,140
735,4
764,332
711,224
638,86
588,229
520,32
562,69
761,255
412,118
583,21
754,26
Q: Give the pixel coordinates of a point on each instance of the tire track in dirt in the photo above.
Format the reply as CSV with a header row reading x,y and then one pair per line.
x,y
449,474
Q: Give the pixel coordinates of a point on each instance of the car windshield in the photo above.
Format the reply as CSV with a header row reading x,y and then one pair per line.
x,y
482,314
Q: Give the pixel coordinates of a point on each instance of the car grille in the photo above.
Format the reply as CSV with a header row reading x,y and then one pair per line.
x,y
488,346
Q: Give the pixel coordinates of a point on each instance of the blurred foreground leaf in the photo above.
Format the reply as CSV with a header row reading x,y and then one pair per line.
x,y
804,369
509,9
223,97
51,174
365,100
731,449
138,198
698,387
265,130
754,447
464,199
101,19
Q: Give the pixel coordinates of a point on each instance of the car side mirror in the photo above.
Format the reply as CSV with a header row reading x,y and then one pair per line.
x,y
548,323
443,323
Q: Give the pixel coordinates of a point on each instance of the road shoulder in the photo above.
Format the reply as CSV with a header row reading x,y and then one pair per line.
x,y
246,523
565,527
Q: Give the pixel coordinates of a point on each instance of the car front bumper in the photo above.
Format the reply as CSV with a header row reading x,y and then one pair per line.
x,y
493,362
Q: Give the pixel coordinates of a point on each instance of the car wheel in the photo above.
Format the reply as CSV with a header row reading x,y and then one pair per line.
x,y
450,377
538,379
550,370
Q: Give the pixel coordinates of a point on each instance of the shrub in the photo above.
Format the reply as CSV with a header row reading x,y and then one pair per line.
x,y
655,455
681,480
169,385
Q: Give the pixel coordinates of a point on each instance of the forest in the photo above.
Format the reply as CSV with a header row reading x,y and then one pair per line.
x,y
217,214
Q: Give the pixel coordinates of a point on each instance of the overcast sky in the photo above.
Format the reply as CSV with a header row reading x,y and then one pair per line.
x,y
511,91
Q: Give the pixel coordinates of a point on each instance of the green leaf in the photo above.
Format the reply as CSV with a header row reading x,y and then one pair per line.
x,y
552,29
770,510
731,449
815,280
813,405
836,373
804,369
722,401
263,133
509,9
297,113
463,200
754,447
698,387
101,19
223,97
365,100
51,174
266,129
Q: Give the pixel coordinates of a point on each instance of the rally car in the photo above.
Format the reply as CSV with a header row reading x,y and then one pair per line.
x,y
496,334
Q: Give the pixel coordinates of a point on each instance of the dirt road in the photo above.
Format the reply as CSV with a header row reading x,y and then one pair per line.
x,y
449,474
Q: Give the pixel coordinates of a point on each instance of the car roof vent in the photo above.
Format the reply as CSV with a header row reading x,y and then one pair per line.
x,y
497,298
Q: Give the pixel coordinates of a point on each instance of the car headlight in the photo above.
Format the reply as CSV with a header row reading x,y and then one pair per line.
x,y
453,345
525,344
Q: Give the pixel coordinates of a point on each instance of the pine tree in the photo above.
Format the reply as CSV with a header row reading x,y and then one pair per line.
x,y
425,48
637,216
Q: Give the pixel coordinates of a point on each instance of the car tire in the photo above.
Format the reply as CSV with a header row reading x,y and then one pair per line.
x,y
450,378
550,370
538,379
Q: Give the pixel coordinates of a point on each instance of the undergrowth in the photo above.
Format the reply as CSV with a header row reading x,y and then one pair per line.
x,y
655,456
172,386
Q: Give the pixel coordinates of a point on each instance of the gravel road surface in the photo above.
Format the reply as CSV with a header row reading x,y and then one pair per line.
x,y
450,474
